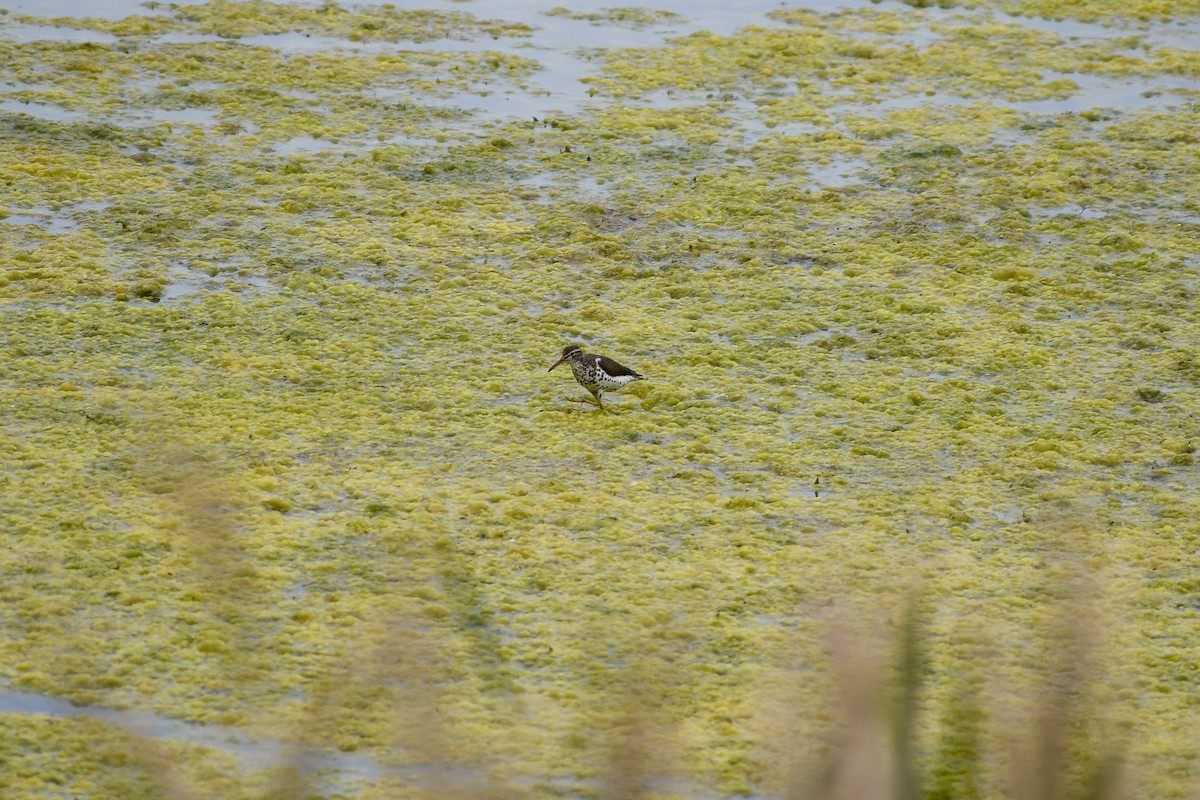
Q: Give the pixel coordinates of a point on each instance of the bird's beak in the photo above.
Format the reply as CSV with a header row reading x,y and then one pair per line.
x,y
556,363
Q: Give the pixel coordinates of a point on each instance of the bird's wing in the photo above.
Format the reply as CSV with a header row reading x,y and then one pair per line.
x,y
615,369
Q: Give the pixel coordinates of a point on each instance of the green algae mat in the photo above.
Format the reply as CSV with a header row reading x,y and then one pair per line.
x,y
912,481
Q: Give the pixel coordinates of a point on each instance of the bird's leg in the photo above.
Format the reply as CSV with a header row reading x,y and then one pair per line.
x,y
598,403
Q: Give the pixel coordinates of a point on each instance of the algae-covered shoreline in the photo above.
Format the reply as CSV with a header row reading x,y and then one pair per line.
x,y
915,291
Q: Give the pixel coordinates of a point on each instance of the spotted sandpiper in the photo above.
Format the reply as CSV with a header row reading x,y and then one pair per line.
x,y
597,374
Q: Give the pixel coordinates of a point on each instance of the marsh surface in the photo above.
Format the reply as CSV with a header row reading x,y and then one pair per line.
x,y
915,290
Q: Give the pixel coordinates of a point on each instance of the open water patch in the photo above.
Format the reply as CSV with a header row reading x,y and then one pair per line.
x,y
327,772
54,221
46,111
30,32
183,282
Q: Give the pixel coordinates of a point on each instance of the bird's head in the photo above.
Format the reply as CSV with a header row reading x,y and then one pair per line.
x,y
570,353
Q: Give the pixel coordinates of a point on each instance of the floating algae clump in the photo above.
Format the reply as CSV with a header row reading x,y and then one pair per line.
x,y
1086,10
915,301
630,16
256,17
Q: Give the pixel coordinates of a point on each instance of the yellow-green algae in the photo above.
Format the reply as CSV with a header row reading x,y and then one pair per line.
x,y
629,16
1108,11
79,757
256,17
329,494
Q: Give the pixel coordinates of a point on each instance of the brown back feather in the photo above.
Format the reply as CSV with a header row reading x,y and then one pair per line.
x,y
615,369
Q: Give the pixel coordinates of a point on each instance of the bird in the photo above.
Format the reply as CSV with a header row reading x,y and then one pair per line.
x,y
597,374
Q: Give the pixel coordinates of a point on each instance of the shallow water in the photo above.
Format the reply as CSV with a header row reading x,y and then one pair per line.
x,y
326,772
558,44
